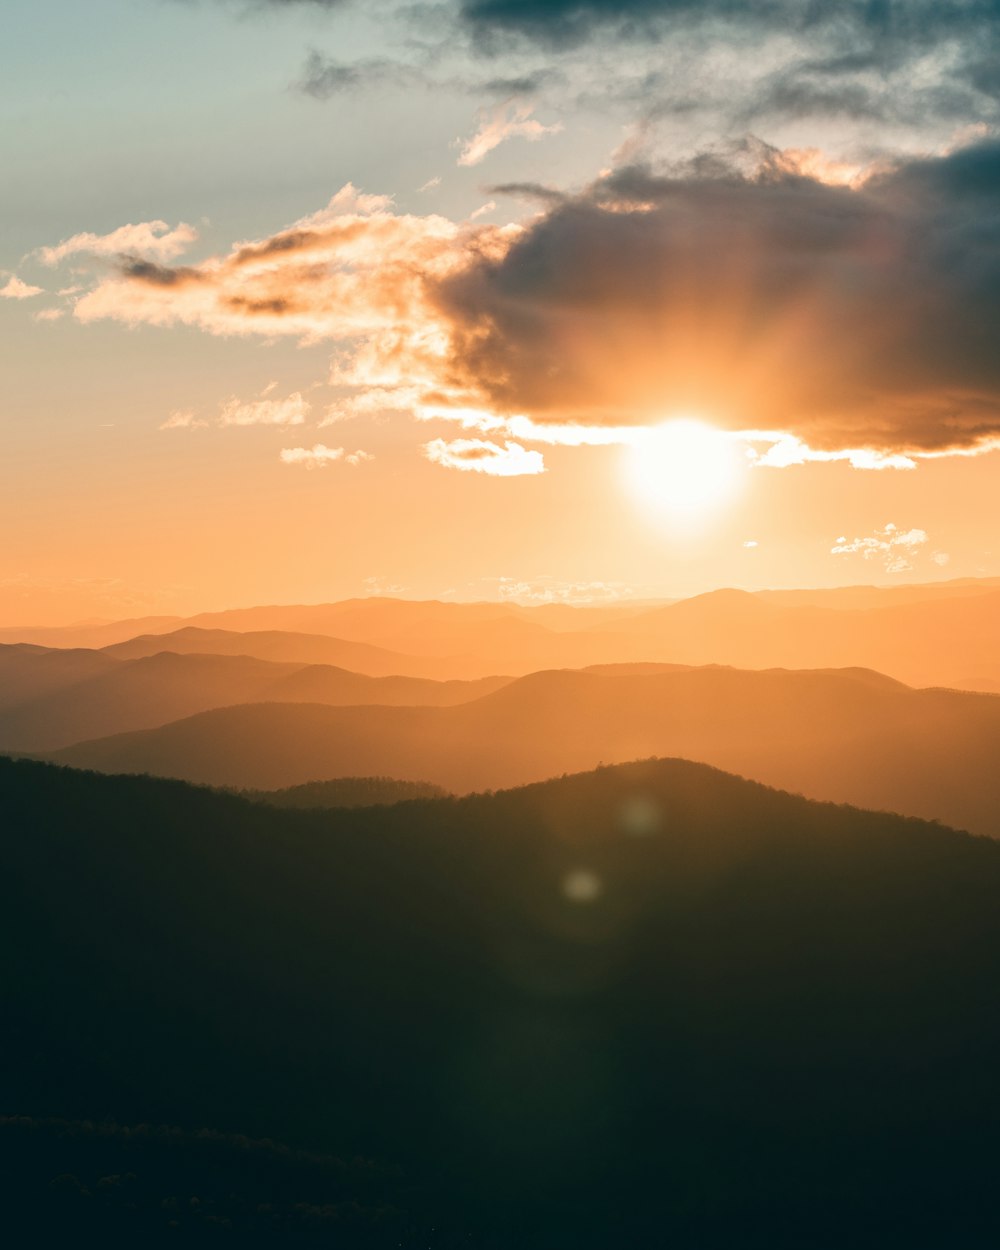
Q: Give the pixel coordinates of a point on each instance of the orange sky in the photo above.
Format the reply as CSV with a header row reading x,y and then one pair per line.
x,y
273,358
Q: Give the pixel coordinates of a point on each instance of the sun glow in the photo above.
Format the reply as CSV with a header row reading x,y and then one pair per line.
x,y
683,468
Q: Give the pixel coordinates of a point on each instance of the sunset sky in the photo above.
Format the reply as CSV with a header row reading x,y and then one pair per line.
x,y
483,299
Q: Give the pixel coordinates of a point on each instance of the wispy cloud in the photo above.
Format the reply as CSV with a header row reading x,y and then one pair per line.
x,y
786,450
476,455
322,77
510,120
15,288
154,240
891,546
184,419
292,410
319,456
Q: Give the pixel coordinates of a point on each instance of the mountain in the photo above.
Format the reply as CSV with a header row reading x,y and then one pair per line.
x,y
347,792
30,672
847,736
421,645
882,596
284,647
369,619
89,635
938,641
932,635
649,1005
51,699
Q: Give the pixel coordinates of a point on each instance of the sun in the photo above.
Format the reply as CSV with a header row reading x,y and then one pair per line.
x,y
683,468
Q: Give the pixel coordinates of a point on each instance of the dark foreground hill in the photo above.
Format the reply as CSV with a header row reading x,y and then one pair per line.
x,y
347,792
651,1005
845,735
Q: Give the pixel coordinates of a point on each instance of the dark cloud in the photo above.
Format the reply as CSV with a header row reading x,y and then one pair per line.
x,y
291,4
766,299
563,23
149,272
521,84
323,78
529,191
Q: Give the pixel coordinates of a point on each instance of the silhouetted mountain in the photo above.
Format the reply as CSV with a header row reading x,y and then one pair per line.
x,y
882,596
933,634
29,672
85,694
89,634
945,641
290,648
347,792
651,1005
848,736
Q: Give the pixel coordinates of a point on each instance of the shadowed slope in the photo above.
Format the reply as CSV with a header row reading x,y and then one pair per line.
x,y
347,792
291,648
651,1005
28,672
848,736
124,695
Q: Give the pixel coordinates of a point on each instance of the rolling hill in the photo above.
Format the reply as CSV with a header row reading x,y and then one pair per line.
x,y
933,634
847,736
648,1005
945,641
291,648
51,699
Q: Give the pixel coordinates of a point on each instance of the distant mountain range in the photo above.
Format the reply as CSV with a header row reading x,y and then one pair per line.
x,y
845,735
52,698
936,634
649,1005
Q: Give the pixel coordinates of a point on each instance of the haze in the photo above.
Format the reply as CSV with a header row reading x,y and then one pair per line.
x,y
500,623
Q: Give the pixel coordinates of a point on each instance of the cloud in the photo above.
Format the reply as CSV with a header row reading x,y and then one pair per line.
x,y
355,272
476,455
153,240
320,456
890,545
786,450
15,288
184,419
542,590
323,77
751,543
756,296
292,410
249,6
827,312
509,120
49,314
375,401
874,32
529,191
